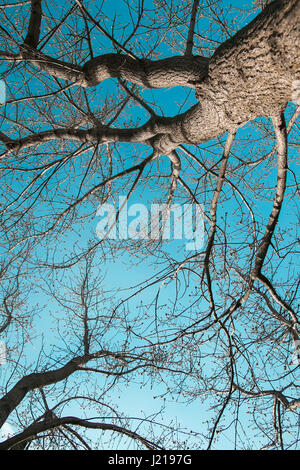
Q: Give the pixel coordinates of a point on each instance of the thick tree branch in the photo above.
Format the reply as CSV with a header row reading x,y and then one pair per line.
x,y
37,380
291,405
34,28
242,83
169,72
172,71
32,431
281,137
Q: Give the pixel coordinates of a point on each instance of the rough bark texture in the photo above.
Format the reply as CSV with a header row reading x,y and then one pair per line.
x,y
172,71
250,75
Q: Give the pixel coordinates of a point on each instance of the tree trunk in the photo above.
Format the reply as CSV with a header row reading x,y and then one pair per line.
x,y
250,75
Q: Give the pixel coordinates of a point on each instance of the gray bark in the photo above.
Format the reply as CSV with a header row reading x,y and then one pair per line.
x,y
37,380
250,75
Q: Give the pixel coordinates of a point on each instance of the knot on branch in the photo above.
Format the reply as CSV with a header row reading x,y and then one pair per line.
x,y
163,144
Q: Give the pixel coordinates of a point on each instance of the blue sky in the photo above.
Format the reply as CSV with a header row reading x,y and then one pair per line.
x,y
125,268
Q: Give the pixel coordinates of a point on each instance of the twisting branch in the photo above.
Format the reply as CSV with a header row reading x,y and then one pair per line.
x,y
37,380
213,211
32,431
163,73
291,405
176,167
281,137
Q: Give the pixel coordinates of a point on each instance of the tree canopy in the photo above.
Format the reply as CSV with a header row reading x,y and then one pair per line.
x,y
115,110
